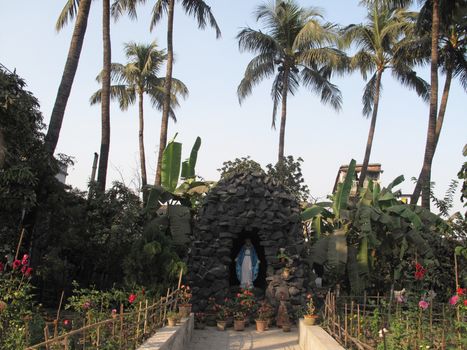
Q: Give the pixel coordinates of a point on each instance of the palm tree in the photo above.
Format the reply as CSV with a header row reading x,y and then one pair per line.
x,y
134,80
448,38
300,48
82,13
377,42
196,8
105,103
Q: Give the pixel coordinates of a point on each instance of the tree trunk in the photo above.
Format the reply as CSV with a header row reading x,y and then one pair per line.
x,y
105,97
424,179
68,76
371,132
443,104
285,89
168,89
142,155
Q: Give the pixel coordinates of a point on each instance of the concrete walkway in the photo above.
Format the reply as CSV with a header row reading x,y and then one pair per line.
x,y
273,339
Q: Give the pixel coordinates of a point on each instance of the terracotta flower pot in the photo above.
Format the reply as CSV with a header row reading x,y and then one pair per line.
x,y
310,320
239,325
172,322
221,325
261,325
184,310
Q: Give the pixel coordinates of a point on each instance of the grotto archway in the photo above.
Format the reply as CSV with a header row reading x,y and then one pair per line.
x,y
247,204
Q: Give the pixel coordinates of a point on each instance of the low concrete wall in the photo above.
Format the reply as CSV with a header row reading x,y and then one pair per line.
x,y
171,338
314,337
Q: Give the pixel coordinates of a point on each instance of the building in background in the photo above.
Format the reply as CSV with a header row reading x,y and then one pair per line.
x,y
373,173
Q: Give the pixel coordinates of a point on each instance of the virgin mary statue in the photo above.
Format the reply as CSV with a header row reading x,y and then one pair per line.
x,y
247,265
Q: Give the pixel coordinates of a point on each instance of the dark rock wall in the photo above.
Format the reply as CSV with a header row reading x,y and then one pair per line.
x,y
247,202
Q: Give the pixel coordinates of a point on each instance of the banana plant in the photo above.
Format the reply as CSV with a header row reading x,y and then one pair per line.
x,y
358,230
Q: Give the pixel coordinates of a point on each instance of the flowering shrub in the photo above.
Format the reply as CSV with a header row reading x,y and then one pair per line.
x,y
265,311
419,271
245,302
16,304
184,294
224,311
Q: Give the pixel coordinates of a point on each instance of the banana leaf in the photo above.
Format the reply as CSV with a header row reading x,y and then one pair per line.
x,y
337,251
310,213
404,211
171,160
188,166
357,276
343,192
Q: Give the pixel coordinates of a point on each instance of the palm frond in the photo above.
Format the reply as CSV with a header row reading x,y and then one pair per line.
x,y
314,34
256,41
124,95
369,93
120,7
158,11
203,14
68,13
317,80
324,56
276,94
409,78
260,67
363,61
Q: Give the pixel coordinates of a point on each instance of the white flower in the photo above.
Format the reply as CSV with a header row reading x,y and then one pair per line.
x,y
381,331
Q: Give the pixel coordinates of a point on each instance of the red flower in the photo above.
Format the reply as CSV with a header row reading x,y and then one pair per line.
x,y
23,269
2,267
419,271
465,302
66,322
460,291
132,298
28,272
143,291
16,264
25,259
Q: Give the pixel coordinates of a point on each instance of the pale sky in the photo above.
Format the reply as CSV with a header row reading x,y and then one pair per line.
x,y
212,70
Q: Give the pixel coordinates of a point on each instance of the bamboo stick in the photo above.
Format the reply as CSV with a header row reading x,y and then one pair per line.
x,y
145,317
19,244
358,321
345,325
138,319
121,326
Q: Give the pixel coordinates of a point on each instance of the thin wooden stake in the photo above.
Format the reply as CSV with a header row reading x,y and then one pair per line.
x,y
19,244
345,325
145,317
358,321
138,319
60,306
98,337
121,325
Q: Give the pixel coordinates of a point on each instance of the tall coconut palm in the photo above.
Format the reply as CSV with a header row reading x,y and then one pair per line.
x,y
295,48
82,13
447,20
377,42
196,8
134,80
105,103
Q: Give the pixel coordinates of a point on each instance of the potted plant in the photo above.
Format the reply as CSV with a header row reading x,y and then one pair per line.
x,y
223,314
184,296
211,312
239,320
172,318
309,312
245,302
262,317
200,320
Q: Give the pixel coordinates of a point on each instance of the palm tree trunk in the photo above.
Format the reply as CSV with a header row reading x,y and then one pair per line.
x,y
285,89
142,155
168,89
105,103
68,76
371,133
424,179
443,104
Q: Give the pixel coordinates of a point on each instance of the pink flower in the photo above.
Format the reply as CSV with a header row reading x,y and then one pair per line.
x,y
453,300
86,305
16,264
66,322
28,272
132,298
25,259
423,304
23,269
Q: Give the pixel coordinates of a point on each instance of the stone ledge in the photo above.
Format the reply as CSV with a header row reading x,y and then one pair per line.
x,y
314,337
171,338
